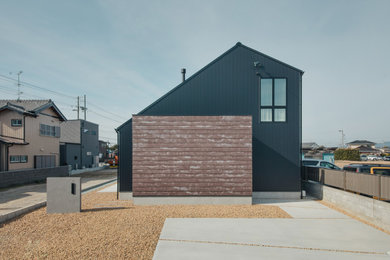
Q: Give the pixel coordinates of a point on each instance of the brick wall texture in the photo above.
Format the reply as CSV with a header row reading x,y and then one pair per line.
x,y
192,156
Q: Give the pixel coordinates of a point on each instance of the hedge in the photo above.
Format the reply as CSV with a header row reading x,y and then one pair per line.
x,y
347,154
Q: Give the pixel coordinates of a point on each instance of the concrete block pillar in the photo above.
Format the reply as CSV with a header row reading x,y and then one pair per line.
x,y
63,194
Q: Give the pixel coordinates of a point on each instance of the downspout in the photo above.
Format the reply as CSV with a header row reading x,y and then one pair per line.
x,y
81,144
24,128
7,157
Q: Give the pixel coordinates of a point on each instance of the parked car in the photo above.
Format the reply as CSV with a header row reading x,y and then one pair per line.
x,y
363,157
355,167
373,158
386,158
319,164
358,168
380,170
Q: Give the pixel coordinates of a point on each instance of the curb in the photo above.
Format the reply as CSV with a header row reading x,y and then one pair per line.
x,y
98,186
22,211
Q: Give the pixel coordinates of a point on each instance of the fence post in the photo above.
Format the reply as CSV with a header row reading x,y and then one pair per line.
x,y
305,173
344,180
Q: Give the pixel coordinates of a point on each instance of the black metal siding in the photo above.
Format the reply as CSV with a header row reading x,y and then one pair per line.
x,y
230,86
70,155
125,150
89,143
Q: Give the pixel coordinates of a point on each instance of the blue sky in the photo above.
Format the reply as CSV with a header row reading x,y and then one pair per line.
x,y
125,54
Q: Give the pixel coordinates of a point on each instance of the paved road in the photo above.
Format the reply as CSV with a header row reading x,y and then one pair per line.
x,y
314,232
19,200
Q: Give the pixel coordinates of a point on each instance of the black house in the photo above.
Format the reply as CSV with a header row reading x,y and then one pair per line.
x,y
242,81
79,144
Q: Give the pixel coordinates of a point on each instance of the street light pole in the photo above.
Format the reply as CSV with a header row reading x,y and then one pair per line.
x,y
342,138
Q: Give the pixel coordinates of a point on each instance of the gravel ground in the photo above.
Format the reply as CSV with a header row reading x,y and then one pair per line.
x,y
107,228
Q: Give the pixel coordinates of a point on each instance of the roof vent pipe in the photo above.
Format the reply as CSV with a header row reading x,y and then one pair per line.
x,y
183,72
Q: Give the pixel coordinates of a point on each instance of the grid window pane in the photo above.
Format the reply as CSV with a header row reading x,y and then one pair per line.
x,y
280,115
280,92
266,115
266,92
14,158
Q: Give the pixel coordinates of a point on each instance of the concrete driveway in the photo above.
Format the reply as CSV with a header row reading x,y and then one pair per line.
x,y
315,231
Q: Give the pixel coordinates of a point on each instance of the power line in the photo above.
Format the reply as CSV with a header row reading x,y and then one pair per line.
x,y
33,95
96,113
26,84
23,83
106,111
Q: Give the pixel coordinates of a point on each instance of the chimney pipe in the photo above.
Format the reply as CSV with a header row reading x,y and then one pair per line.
x,y
183,72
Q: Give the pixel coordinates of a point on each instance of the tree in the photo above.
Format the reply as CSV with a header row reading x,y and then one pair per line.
x,y
347,154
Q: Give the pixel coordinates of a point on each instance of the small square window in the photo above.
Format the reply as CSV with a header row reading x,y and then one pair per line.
x,y
266,115
280,114
16,122
23,158
14,159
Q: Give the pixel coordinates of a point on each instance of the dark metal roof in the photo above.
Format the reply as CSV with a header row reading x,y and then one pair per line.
x,y
238,45
361,142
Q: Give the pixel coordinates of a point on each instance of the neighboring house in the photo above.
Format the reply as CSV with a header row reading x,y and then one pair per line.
x,y
358,143
240,82
29,134
103,151
79,144
364,149
309,146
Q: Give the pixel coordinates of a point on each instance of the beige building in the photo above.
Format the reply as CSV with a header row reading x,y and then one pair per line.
x,y
29,134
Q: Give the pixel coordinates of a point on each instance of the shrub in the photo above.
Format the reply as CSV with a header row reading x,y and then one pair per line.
x,y
347,154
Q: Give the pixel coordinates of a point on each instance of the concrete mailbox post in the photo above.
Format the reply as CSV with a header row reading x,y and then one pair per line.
x,y
63,194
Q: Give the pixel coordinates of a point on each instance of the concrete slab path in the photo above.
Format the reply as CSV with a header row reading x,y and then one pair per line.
x,y
111,188
19,200
314,231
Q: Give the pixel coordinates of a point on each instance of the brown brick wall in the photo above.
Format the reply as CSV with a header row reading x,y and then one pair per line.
x,y
192,155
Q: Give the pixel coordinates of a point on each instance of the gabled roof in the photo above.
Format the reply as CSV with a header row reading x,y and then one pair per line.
x,y
238,45
309,145
30,107
366,149
361,142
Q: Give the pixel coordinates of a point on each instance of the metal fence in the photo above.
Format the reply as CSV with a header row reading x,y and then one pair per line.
x,y
364,183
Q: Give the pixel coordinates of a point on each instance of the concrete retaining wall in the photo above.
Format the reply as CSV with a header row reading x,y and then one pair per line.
x,y
19,177
372,210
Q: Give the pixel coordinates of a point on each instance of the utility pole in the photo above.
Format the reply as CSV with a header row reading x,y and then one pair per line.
x,y
19,92
77,108
85,107
342,138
